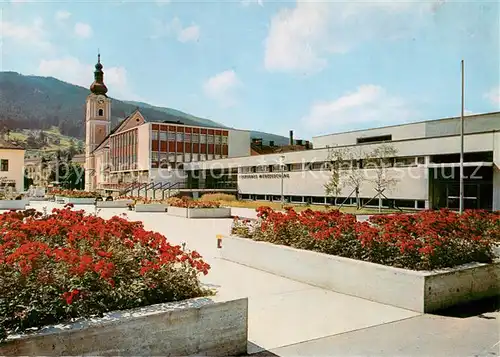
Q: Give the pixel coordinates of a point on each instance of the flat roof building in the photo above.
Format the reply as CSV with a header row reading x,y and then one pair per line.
x,y
423,166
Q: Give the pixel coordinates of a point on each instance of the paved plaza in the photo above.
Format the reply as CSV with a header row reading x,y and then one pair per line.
x,y
288,318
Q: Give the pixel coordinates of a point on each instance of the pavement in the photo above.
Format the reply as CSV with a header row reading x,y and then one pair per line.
x,y
289,318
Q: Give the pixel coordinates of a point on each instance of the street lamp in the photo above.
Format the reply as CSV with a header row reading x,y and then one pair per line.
x,y
282,166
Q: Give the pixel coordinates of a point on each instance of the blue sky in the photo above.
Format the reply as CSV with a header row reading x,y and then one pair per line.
x,y
315,67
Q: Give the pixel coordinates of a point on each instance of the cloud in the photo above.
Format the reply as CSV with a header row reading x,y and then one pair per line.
x,y
30,35
71,70
191,33
493,96
175,28
369,104
83,30
221,87
62,15
302,38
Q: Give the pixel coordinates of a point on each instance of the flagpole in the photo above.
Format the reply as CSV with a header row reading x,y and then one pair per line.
x,y
461,207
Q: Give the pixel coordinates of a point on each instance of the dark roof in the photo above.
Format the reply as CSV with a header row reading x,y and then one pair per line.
x,y
4,144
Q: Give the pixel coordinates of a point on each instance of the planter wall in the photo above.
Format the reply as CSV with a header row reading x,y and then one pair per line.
x,y
114,204
421,291
59,199
80,201
221,212
151,207
34,199
198,326
13,204
244,212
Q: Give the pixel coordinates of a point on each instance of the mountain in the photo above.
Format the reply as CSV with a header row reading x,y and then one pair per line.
x,y
33,102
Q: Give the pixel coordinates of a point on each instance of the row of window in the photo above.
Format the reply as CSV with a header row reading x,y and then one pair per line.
x,y
327,165
124,140
188,137
369,202
157,158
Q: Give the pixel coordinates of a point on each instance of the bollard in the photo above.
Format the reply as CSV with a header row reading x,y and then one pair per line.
x,y
219,241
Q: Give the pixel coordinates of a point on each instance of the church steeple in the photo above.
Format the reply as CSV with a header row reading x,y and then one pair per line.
x,y
98,86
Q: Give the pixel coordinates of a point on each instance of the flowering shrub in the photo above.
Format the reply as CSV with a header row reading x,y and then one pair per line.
x,y
423,241
74,193
185,202
67,264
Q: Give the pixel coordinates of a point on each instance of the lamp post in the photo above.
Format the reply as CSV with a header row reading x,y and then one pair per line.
x,y
282,166
461,203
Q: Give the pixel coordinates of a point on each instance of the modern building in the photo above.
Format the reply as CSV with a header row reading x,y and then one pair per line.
x,y
139,151
414,165
11,167
422,168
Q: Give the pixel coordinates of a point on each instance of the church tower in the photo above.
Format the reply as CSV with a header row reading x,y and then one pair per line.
x,y
97,123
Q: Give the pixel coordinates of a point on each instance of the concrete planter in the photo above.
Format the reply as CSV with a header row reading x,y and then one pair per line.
x,y
59,199
242,212
114,204
79,201
221,212
37,199
151,207
13,204
192,327
421,291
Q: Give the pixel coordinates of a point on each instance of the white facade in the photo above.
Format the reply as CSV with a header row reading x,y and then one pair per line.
x,y
415,144
12,168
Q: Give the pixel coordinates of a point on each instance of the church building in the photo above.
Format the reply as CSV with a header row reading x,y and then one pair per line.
x,y
137,150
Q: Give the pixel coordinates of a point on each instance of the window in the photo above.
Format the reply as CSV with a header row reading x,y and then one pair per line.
x,y
101,112
154,156
195,138
217,139
210,139
262,169
279,168
4,165
295,167
316,165
203,139
224,139
155,135
374,139
163,135
421,160
180,136
404,161
187,137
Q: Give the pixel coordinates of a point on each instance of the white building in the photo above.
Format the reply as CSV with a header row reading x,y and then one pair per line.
x,y
425,166
11,167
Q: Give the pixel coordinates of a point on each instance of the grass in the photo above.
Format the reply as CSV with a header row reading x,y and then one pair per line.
x,y
52,135
302,207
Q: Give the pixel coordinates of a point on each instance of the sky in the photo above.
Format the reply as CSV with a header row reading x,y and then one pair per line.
x,y
314,67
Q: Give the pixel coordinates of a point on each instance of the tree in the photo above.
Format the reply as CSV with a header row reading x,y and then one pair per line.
x,y
380,160
345,172
42,138
80,147
354,176
334,186
28,181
